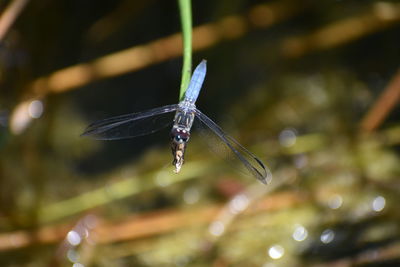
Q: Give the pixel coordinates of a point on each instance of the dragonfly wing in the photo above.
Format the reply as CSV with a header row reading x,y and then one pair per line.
x,y
132,125
249,160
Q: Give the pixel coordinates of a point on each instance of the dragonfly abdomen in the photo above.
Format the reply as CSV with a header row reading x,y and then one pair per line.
x,y
196,82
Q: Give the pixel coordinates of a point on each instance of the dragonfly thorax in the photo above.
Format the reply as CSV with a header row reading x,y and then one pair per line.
x,y
184,116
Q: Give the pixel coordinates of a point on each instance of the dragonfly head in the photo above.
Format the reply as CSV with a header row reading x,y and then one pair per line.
x,y
179,138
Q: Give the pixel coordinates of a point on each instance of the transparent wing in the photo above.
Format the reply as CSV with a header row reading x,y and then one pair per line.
x,y
131,125
249,160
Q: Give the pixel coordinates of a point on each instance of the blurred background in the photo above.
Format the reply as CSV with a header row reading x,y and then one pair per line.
x,y
310,87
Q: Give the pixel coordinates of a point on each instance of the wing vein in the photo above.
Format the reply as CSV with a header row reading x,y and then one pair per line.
x,y
130,125
262,173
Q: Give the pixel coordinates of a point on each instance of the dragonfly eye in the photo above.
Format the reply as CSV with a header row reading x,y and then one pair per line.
x,y
179,136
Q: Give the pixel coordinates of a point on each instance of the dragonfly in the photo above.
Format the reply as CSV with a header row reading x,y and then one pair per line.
x,y
186,112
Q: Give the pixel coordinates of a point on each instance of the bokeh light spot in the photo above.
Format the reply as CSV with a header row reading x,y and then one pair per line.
x,y
73,238
335,202
191,195
72,255
300,233
378,204
217,228
327,236
276,252
238,203
35,109
287,137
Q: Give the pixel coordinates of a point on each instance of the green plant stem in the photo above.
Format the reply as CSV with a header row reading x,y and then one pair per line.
x,y
185,9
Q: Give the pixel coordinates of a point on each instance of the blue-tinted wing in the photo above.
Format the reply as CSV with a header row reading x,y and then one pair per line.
x,y
131,125
249,160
